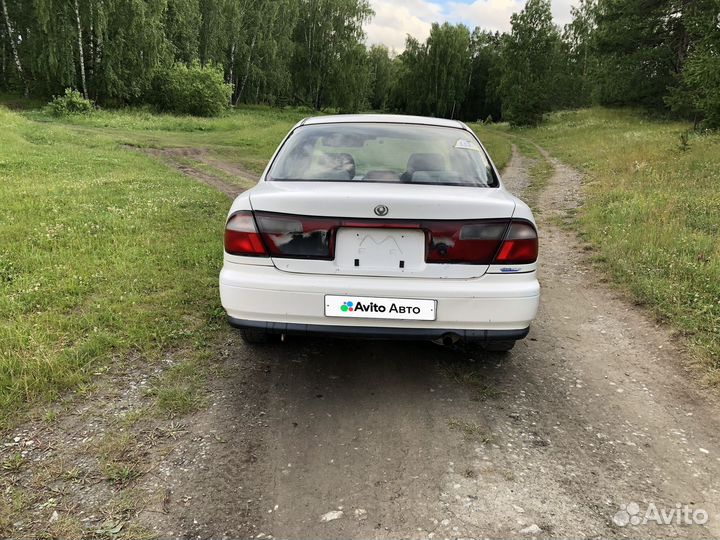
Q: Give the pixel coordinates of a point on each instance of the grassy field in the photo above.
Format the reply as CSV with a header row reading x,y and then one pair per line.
x,y
247,136
107,255
652,211
103,253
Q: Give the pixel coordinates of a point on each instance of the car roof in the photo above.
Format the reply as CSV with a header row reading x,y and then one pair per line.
x,y
381,119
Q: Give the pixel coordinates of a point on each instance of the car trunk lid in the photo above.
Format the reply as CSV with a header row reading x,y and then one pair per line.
x,y
378,229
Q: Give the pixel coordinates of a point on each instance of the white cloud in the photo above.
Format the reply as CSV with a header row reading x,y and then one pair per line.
x,y
394,19
561,10
487,14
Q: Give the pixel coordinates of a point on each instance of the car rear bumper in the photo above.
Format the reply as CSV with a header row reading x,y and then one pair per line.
x,y
379,332
495,306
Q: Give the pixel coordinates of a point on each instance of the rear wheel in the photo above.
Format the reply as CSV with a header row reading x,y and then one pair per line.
x,y
499,346
257,337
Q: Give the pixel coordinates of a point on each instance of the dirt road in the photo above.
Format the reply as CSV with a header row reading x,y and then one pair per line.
x,y
340,439
355,439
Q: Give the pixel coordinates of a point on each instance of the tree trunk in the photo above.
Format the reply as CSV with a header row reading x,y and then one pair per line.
x,y
80,50
232,62
318,95
97,48
310,45
247,69
4,63
683,48
13,45
91,41
231,74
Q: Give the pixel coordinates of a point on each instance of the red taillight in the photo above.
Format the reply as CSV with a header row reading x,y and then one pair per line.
x,y
298,237
469,242
241,236
520,245
490,241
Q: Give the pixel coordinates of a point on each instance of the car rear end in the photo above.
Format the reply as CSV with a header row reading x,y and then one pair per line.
x,y
362,235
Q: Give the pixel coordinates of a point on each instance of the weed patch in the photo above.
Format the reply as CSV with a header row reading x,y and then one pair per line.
x,y
470,430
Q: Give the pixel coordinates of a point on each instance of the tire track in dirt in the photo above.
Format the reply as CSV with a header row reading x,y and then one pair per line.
x,y
515,176
179,159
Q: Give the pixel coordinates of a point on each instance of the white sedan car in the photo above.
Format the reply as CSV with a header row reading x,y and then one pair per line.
x,y
381,226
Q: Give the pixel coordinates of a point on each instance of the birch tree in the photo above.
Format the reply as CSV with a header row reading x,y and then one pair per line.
x,y
13,46
81,52
326,37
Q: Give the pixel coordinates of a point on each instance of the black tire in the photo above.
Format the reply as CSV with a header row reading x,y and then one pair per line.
x,y
499,346
257,337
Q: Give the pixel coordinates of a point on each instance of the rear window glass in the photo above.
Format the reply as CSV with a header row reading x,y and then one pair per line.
x,y
402,153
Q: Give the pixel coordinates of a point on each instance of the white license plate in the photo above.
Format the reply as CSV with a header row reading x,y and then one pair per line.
x,y
390,251
370,307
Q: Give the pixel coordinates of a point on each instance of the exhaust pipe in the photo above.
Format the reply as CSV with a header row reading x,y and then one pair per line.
x,y
448,339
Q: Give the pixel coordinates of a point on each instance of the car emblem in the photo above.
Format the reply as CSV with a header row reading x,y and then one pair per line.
x,y
381,210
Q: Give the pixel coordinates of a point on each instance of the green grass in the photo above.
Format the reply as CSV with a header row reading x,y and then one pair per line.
x,y
121,458
17,102
13,463
247,136
179,390
540,171
652,211
103,252
107,255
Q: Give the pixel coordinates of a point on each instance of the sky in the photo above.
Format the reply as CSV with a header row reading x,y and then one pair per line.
x,y
394,19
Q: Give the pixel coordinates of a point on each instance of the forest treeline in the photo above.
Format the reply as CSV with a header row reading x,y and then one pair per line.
x,y
663,55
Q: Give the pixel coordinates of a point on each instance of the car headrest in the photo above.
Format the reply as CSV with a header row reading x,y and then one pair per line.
x,y
385,176
425,162
339,162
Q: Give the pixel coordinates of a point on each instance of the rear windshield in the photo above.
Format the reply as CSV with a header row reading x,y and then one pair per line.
x,y
413,154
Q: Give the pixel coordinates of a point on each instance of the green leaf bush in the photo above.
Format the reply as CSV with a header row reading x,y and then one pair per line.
x,y
190,89
72,102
